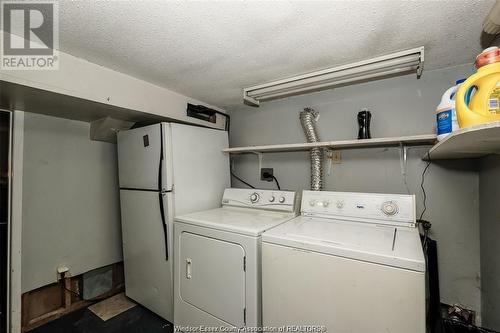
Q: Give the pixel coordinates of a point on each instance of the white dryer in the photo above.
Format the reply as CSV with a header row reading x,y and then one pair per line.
x,y
217,278
352,262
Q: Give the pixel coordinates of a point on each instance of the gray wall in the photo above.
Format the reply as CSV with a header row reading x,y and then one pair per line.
x,y
400,106
489,180
70,200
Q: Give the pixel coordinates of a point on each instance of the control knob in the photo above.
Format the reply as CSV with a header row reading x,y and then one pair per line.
x,y
254,197
282,199
390,208
272,198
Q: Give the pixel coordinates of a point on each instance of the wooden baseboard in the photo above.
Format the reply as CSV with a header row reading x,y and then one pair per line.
x,y
50,302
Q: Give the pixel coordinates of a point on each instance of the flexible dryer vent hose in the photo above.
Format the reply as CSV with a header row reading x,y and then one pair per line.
x,y
308,119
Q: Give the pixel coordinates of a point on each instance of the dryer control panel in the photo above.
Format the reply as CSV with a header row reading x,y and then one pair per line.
x,y
262,199
392,209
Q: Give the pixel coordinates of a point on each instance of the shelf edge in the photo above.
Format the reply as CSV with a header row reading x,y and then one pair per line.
x,y
414,140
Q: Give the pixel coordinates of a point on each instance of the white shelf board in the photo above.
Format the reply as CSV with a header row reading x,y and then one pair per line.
x,y
414,140
471,142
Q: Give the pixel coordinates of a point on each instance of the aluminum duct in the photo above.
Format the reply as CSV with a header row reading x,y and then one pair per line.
x,y
308,119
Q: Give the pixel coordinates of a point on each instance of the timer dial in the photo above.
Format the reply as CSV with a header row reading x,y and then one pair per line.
x,y
390,208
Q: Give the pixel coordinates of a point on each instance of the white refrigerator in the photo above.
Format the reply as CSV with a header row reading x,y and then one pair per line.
x,y
165,169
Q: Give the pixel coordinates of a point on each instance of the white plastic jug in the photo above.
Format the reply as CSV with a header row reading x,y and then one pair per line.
x,y
446,115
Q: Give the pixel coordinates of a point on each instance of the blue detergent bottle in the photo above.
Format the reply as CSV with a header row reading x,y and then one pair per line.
x,y
446,114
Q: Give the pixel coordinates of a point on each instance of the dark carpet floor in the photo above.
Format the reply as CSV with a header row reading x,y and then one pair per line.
x,y
135,320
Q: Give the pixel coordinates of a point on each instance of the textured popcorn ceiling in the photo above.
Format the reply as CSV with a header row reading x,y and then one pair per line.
x,y
211,50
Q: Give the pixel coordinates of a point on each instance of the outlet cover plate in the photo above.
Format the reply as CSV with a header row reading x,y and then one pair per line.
x,y
266,170
335,156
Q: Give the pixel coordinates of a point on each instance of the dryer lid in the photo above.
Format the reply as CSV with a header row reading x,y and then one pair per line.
x,y
245,221
382,244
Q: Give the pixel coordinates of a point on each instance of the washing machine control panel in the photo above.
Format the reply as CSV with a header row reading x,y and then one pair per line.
x,y
262,199
394,209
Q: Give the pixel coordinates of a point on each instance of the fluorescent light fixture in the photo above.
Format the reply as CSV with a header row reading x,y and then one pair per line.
x,y
376,68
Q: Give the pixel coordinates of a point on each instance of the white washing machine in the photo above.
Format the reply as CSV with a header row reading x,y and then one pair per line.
x,y
352,262
217,274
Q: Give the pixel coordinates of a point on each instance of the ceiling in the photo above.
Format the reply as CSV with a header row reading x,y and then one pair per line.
x,y
211,50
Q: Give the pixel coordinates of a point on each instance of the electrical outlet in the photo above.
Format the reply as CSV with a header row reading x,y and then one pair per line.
x,y
266,172
335,156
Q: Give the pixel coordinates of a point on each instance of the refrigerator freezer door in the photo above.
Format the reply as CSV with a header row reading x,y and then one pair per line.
x,y
141,156
200,168
148,275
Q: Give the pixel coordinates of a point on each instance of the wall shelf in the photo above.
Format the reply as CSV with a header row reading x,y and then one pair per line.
x,y
414,140
472,142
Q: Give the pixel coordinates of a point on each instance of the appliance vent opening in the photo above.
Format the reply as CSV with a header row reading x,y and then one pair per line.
x,y
207,114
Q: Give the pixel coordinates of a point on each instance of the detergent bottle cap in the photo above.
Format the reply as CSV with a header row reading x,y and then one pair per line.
x,y
457,82
488,56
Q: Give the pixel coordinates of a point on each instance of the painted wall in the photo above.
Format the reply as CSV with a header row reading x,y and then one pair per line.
x,y
70,200
400,106
489,180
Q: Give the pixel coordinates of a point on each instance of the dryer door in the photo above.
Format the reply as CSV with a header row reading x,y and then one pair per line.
x,y
212,277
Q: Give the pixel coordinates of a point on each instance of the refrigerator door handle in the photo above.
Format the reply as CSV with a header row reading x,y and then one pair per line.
x,y
163,222
160,168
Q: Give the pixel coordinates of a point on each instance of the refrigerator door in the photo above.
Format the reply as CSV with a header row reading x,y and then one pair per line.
x,y
147,248
142,161
200,168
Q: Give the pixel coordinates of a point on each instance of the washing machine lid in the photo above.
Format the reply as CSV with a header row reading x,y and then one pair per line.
x,y
245,221
382,244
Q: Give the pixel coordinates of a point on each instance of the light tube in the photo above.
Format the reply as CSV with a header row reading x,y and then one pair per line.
x,y
376,68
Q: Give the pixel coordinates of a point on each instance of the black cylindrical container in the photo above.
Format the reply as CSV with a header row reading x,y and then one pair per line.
x,y
364,118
